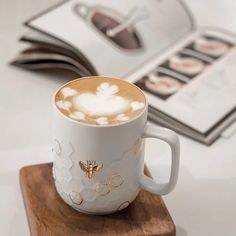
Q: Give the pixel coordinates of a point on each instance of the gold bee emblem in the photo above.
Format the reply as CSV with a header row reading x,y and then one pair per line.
x,y
90,168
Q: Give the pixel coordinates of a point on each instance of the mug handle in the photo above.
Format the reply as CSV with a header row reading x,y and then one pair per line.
x,y
172,139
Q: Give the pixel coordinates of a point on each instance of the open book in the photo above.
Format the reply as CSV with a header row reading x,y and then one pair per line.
x,y
188,74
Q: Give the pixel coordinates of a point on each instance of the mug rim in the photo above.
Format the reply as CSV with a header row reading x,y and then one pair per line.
x,y
93,125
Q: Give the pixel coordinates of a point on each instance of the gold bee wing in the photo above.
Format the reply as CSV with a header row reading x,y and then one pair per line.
x,y
83,166
98,167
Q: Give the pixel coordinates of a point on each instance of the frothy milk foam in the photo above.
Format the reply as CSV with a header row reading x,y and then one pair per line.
x,y
100,100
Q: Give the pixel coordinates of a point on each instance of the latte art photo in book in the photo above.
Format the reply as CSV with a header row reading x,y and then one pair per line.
x,y
210,46
100,101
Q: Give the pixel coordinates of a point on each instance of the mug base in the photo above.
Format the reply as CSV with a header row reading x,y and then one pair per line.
x,y
89,212
94,213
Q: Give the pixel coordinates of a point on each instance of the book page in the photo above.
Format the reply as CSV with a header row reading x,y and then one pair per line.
x,y
195,82
117,37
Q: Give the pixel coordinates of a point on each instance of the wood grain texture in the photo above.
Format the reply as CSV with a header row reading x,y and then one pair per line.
x,y
48,215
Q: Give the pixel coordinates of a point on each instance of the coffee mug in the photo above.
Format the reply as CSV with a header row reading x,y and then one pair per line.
x,y
99,169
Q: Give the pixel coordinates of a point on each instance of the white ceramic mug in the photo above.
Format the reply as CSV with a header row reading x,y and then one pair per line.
x,y
99,169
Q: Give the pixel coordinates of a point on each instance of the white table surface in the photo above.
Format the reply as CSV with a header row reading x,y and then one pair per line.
x,y
204,201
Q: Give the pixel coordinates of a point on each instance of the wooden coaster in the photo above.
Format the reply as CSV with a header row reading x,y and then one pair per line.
x,y
49,215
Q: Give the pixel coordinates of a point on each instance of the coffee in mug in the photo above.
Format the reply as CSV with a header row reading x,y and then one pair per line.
x,y
100,101
99,132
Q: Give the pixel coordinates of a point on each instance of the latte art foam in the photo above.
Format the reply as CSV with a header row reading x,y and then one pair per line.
x,y
100,100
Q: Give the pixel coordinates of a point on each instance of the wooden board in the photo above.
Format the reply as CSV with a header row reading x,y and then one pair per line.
x,y
48,215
